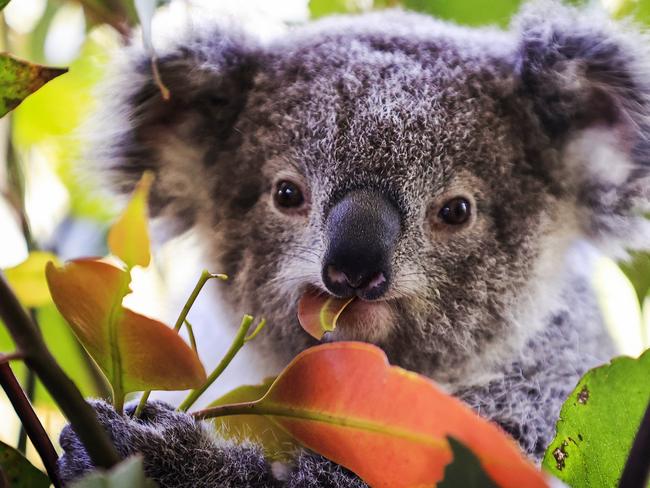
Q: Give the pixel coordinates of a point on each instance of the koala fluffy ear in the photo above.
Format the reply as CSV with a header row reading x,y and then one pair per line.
x,y
588,81
208,72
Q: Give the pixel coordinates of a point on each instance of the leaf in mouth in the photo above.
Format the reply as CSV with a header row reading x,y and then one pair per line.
x,y
318,313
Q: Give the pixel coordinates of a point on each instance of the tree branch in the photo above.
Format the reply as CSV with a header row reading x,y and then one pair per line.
x,y
80,414
637,468
33,427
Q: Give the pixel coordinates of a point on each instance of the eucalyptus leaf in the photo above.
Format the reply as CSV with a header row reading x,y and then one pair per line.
x,y
465,470
18,471
638,272
598,423
128,474
469,12
321,8
19,79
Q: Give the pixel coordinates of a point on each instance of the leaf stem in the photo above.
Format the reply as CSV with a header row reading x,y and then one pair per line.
x,y
182,318
80,414
240,339
33,427
190,333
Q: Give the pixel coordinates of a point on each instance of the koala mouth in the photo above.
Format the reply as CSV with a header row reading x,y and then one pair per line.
x,y
360,320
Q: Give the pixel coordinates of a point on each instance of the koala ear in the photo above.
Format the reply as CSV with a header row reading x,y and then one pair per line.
x,y
208,73
588,81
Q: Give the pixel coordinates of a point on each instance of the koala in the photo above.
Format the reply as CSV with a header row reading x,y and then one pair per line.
x,y
457,182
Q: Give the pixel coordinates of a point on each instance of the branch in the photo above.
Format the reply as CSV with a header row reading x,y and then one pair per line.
x,y
30,422
637,468
80,414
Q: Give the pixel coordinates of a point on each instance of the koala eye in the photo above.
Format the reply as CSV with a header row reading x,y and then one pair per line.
x,y
288,195
455,212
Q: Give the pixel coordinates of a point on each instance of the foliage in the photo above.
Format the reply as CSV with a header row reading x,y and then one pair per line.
x,y
413,431
135,352
318,314
19,472
342,399
598,423
28,281
19,79
465,469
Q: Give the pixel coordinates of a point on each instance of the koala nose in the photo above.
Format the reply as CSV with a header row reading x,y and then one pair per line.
x,y
361,230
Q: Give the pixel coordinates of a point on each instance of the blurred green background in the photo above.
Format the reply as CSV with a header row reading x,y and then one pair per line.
x,y
48,203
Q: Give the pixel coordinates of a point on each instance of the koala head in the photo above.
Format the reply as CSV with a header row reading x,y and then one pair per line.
x,y
436,173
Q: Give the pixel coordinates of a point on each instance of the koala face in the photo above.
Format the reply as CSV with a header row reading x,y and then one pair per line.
x,y
436,174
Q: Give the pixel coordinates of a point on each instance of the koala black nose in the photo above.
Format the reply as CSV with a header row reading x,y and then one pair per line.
x,y
361,230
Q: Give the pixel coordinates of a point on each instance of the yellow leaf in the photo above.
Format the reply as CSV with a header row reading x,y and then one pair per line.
x,y
128,238
28,279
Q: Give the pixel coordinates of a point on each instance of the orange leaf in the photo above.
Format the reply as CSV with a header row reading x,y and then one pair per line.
x,y
134,351
318,313
386,424
128,238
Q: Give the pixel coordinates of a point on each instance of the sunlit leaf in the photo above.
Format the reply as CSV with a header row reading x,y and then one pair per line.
x,y
49,121
128,474
319,313
598,423
19,79
19,472
128,238
470,12
465,470
277,444
28,279
320,8
388,425
638,271
134,352
4,3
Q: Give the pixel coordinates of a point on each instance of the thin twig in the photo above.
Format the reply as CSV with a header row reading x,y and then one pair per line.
x,y
80,414
11,356
240,339
203,279
29,420
636,472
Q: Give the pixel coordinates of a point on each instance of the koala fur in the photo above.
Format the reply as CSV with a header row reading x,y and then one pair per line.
x,y
543,128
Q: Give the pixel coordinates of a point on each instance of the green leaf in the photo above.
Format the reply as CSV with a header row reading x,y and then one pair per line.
x,y
28,279
19,79
598,423
3,3
49,119
470,12
638,272
20,473
465,470
128,238
128,474
278,445
320,8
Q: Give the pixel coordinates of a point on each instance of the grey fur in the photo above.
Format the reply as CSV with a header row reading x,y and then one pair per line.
x,y
544,127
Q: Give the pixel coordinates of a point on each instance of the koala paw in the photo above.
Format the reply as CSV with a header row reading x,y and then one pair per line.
x,y
177,450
